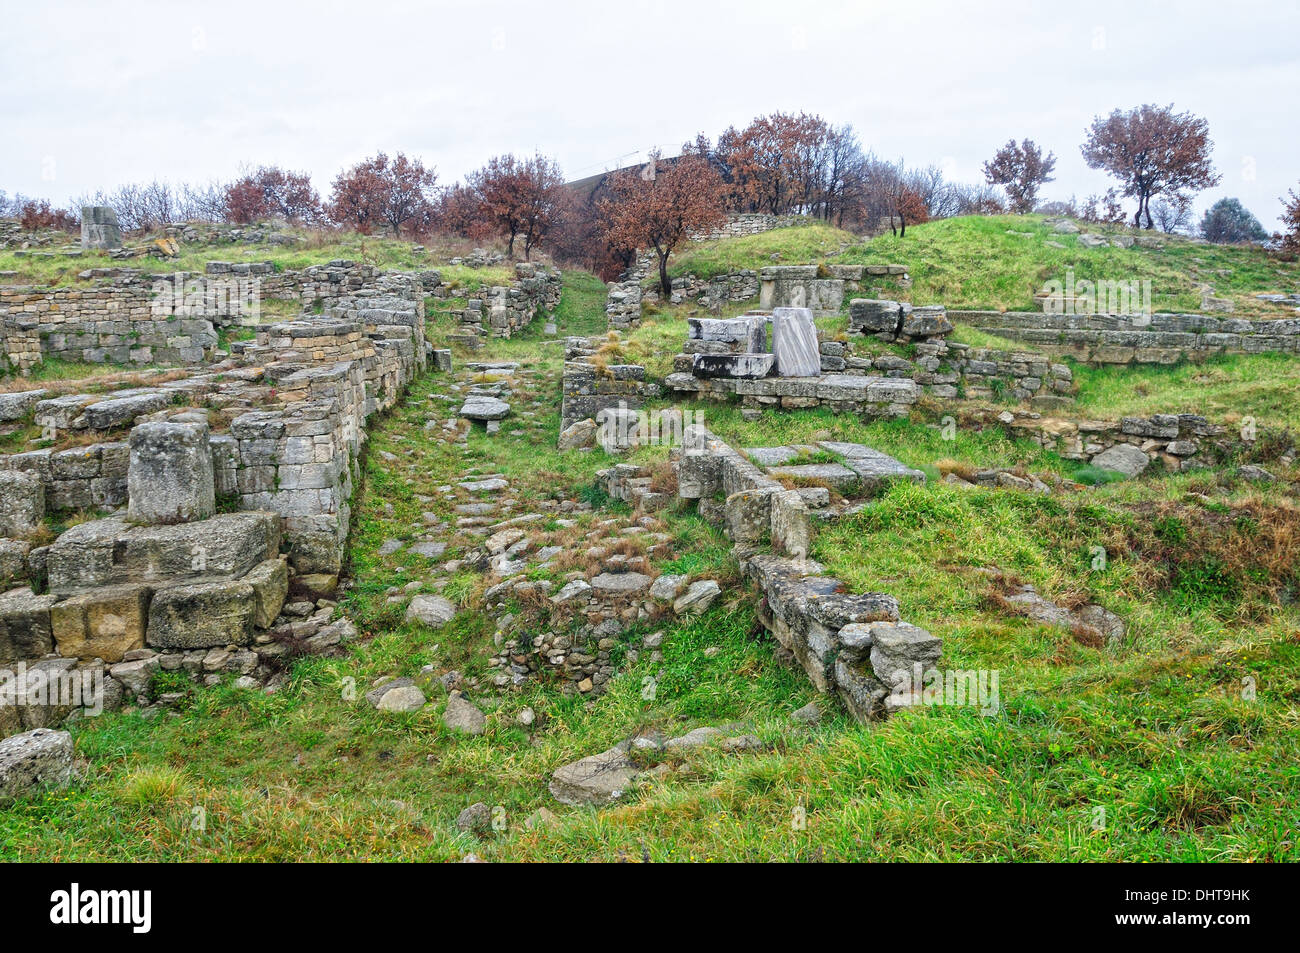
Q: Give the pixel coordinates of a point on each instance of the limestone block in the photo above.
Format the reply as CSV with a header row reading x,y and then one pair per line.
x,y
25,631
791,528
105,623
270,582
745,365
170,478
111,551
22,503
794,343
748,514
202,615
35,760
1122,458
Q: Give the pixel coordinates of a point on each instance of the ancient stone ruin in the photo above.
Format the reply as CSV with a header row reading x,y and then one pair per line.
x,y
99,228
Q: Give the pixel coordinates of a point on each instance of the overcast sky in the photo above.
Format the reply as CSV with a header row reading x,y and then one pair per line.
x,y
98,93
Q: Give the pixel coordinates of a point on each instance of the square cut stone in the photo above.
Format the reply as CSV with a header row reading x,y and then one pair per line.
x,y
202,615
25,631
833,474
22,502
170,478
105,623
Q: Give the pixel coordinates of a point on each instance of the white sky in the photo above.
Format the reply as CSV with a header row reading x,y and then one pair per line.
x,y
97,93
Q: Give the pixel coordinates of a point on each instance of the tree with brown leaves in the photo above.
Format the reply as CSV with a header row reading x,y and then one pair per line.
x,y
786,163
379,192
270,191
521,197
1153,151
1289,241
660,205
1022,170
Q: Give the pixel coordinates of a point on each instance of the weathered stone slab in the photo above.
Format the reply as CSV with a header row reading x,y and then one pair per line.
x,y
433,611
1122,458
732,365
484,407
120,411
99,227
169,478
25,630
22,503
777,456
105,623
270,582
112,551
925,322
833,474
872,467
794,343
598,779
202,615
18,405
875,316
36,760
621,583
749,333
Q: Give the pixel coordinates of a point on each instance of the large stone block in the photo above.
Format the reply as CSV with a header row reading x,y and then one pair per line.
x,y
169,478
732,365
111,551
749,515
25,631
35,760
794,343
270,582
202,615
875,316
791,528
105,623
22,503
99,227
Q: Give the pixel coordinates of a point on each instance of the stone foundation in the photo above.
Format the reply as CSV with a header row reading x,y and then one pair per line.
x,y
1153,339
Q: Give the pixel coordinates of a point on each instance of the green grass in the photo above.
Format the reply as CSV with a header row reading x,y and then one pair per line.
x,y
1223,389
1155,730
999,262
316,248
799,245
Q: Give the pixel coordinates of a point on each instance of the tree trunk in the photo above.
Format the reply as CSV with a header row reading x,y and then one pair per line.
x,y
1150,225
665,285
510,246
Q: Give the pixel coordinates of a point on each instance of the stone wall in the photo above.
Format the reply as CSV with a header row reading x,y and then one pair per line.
x,y
1178,441
134,317
169,584
502,311
820,288
739,224
623,304
591,387
115,322
1153,339
853,646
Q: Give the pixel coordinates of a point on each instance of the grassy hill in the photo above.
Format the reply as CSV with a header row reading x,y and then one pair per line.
x,y
998,262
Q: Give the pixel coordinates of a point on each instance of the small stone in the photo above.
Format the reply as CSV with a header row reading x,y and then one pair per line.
x,y
407,698
809,714
475,819
698,597
433,611
461,715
